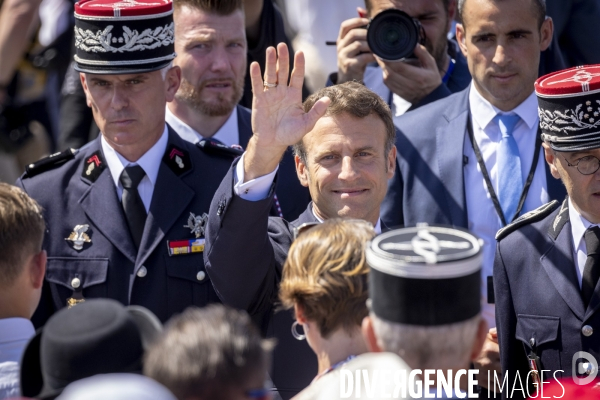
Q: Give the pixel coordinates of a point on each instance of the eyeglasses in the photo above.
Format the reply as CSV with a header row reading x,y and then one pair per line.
x,y
585,165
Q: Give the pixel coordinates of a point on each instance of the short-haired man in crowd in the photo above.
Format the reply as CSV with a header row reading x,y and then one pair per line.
x,y
441,68
345,157
425,301
210,42
474,159
211,353
22,268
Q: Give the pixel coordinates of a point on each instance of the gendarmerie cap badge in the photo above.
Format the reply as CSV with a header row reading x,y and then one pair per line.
x,y
425,275
569,108
123,36
79,237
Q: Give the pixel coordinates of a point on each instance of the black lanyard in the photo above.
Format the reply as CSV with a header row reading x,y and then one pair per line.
x,y
488,181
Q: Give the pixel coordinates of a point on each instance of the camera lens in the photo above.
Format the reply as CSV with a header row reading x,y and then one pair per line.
x,y
393,35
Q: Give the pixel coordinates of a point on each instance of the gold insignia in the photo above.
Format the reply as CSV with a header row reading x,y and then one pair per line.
x,y
72,302
79,236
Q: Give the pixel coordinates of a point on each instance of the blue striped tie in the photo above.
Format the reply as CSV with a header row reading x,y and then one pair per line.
x,y
510,181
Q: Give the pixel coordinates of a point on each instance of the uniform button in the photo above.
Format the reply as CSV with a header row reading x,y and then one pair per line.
x,y
75,283
201,275
587,330
532,342
588,368
142,272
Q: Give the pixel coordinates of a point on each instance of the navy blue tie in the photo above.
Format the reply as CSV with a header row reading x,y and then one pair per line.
x,y
510,181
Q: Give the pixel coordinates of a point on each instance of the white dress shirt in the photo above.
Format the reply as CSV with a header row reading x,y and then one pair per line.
x,y
150,162
228,134
15,333
482,217
578,227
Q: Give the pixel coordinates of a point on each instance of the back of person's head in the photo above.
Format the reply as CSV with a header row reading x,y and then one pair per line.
x,y
211,353
219,7
22,264
354,99
325,274
116,387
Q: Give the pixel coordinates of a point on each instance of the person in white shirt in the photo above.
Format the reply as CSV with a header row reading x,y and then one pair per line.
x,y
211,47
22,268
474,160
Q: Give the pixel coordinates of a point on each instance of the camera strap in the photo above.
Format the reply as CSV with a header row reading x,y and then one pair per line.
x,y
488,181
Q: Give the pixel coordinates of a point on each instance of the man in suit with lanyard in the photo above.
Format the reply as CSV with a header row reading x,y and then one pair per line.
x,y
547,262
211,47
344,153
473,160
126,214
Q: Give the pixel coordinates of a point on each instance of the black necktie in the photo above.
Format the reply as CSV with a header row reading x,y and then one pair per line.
x,y
135,212
591,271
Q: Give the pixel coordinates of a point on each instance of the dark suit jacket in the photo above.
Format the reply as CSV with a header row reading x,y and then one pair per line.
x,y
243,239
108,266
428,185
292,196
538,296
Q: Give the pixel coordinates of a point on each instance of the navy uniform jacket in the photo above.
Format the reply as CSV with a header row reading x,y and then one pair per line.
x,y
292,196
428,185
538,296
110,266
242,239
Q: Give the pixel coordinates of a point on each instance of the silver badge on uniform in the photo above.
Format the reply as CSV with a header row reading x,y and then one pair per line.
x,y
79,236
197,224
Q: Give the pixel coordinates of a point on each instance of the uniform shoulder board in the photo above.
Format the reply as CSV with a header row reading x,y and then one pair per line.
x,y
47,163
527,218
218,148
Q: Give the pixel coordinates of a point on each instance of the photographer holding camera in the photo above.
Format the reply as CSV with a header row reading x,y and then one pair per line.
x,y
407,71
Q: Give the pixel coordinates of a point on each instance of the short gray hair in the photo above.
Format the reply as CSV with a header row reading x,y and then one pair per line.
x,y
539,7
205,352
428,347
164,70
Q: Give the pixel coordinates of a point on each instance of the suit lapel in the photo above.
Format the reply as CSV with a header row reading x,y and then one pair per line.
x,y
102,206
558,263
170,198
244,125
450,141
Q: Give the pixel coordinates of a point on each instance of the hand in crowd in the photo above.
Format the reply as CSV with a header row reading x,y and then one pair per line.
x,y
278,119
489,360
353,53
410,81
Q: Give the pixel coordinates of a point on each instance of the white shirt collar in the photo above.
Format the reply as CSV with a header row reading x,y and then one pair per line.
x,y
15,329
150,161
228,134
578,224
484,112
377,227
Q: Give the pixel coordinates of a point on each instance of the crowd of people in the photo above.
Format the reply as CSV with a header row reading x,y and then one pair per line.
x,y
222,220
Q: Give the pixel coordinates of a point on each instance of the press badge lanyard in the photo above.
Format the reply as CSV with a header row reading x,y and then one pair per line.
x,y
488,181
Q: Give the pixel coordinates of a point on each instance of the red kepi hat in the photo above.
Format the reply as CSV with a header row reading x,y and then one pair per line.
x,y
123,36
569,108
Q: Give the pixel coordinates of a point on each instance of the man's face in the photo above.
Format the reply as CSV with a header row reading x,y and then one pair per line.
x,y
211,51
502,42
130,109
584,190
432,15
347,169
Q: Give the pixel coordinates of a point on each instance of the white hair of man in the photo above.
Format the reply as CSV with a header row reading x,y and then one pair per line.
x,y
428,347
164,70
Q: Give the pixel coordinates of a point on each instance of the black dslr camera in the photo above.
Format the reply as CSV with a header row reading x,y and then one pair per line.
x,y
392,35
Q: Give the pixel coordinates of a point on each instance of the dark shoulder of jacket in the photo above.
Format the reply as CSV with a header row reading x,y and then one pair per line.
x,y
532,216
48,163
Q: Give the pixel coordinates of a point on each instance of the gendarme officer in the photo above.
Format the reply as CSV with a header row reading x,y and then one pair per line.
x,y
126,213
548,261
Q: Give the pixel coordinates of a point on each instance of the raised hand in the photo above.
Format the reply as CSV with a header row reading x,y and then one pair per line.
x,y
278,119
